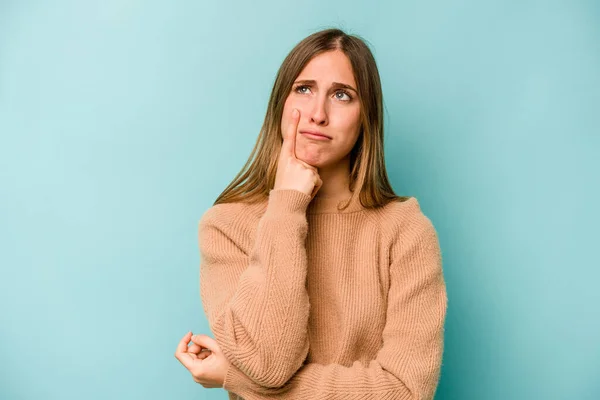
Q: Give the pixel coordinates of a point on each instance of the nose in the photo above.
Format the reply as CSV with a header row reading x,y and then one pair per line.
x,y
319,110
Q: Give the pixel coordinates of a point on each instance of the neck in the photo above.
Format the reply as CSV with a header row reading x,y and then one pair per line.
x,y
331,205
335,191
336,180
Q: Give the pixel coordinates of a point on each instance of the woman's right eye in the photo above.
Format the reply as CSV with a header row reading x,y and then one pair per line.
x,y
298,88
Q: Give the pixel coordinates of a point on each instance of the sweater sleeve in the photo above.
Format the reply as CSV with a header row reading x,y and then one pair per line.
x,y
256,304
408,364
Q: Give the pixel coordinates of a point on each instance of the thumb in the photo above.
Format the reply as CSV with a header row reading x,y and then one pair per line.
x,y
289,136
206,342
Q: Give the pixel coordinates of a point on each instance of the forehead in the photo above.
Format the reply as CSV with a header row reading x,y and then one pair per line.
x,y
331,66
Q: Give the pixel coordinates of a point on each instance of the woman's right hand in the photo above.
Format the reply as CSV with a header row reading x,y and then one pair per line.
x,y
293,173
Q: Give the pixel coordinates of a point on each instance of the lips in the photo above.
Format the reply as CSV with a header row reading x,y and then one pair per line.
x,y
315,134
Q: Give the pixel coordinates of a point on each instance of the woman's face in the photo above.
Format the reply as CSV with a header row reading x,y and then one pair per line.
x,y
325,94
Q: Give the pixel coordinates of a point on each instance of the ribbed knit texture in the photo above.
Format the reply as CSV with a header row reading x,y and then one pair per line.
x,y
309,302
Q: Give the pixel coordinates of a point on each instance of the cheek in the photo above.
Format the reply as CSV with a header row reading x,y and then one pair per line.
x,y
291,103
348,121
286,117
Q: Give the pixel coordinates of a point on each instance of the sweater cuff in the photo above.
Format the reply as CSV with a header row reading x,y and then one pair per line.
x,y
284,201
235,380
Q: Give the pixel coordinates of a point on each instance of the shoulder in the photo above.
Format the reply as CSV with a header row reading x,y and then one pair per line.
x,y
404,220
412,237
227,216
224,229
404,214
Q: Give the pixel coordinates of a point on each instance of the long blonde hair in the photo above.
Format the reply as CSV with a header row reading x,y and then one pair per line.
x,y
368,176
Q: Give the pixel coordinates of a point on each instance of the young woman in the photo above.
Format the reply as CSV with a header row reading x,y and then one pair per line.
x,y
316,279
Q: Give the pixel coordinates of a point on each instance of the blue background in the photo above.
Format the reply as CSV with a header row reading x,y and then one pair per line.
x,y
121,121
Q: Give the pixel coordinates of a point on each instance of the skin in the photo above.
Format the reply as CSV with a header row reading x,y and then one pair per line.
x,y
311,165
293,173
207,367
330,110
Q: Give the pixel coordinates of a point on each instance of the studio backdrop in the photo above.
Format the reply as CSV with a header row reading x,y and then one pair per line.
x,y
122,121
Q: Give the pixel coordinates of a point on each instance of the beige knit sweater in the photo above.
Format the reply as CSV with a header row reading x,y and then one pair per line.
x,y
309,302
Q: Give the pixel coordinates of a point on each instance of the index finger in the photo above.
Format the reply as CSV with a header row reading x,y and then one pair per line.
x,y
182,346
289,138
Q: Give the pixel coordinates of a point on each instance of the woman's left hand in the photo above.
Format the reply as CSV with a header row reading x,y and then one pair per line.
x,y
207,367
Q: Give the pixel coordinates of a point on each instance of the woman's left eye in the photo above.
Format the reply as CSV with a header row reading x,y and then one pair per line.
x,y
344,93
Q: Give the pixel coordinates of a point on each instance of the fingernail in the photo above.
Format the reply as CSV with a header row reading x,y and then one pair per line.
x,y
295,113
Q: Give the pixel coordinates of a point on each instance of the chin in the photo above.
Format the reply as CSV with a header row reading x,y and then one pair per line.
x,y
314,161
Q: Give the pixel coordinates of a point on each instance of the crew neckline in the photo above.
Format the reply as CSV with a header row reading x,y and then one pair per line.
x,y
321,204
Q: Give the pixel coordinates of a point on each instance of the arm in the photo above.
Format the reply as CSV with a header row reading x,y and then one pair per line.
x,y
408,364
256,304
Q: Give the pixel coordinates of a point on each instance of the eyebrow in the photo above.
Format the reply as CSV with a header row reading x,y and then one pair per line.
x,y
334,84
